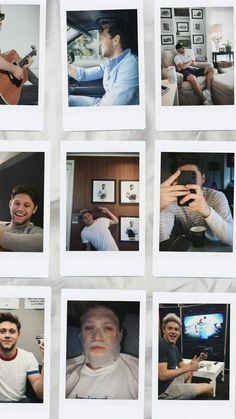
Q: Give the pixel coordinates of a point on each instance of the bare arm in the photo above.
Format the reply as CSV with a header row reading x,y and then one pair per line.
x,y
181,66
166,374
72,71
36,381
113,218
15,70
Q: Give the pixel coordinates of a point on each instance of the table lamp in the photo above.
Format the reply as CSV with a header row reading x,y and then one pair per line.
x,y
216,35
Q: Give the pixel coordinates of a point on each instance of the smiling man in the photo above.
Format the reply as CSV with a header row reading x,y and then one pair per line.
x,y
16,365
20,234
119,72
102,372
174,375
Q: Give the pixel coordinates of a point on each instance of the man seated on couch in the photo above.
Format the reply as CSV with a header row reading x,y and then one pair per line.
x,y
187,66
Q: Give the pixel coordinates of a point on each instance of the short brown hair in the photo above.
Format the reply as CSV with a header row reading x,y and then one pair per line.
x,y
9,317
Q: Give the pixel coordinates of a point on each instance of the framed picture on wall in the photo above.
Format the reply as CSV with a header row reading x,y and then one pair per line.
x,y
198,39
166,26
166,12
197,13
197,27
129,229
129,192
167,39
182,26
104,190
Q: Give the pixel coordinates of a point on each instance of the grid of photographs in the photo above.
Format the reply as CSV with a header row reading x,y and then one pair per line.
x,y
117,232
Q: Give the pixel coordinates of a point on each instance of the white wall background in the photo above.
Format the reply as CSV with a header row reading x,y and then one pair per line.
x,y
20,30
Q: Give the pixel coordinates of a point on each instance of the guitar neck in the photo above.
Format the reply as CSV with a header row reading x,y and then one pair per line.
x,y
24,60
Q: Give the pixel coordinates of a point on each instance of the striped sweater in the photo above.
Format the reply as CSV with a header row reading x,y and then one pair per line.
x,y
219,224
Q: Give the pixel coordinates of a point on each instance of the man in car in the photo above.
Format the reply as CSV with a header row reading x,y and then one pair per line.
x,y
102,372
175,375
206,206
20,234
187,66
16,365
119,72
97,233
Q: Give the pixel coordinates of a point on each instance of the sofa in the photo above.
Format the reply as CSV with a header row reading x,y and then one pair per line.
x,y
187,96
223,87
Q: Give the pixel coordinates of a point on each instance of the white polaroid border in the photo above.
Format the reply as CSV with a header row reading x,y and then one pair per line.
x,y
28,117
190,118
32,410
102,117
30,264
101,263
189,264
106,409
180,409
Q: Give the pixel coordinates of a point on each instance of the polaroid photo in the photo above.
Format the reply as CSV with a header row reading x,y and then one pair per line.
x,y
194,65
95,219
102,353
193,355
23,26
25,208
25,323
102,65
194,203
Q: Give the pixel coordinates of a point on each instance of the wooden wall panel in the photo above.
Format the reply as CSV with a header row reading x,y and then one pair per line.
x,y
88,168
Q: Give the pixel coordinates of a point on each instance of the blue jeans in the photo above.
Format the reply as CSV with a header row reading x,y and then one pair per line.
x,y
83,100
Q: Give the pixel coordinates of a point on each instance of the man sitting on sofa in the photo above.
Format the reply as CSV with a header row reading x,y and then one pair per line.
x,y
187,66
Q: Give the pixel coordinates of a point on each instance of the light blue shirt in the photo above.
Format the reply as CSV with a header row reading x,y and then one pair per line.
x,y
120,79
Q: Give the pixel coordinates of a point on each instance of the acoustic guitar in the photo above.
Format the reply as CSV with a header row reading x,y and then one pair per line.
x,y
10,87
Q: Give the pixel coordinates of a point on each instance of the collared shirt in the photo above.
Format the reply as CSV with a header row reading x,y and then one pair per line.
x,y
120,79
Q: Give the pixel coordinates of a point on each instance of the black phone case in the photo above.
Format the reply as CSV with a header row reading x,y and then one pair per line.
x,y
186,177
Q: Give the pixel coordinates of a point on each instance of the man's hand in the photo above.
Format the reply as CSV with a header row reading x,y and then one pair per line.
x,y
17,72
102,209
169,190
194,364
199,203
72,71
29,61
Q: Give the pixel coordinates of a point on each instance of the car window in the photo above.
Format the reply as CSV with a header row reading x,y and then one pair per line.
x,y
84,50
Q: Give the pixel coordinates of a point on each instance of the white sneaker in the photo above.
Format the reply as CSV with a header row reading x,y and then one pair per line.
x,y
207,95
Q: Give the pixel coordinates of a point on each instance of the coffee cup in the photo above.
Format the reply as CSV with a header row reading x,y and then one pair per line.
x,y
171,74
198,235
209,366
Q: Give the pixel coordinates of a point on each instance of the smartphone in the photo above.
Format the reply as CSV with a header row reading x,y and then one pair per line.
x,y
186,177
164,89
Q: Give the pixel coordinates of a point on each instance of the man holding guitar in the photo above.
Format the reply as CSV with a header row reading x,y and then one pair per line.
x,y
15,71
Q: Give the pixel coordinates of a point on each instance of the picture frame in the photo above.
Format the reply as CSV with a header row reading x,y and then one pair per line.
x,y
166,12
182,26
166,26
129,192
198,39
197,13
197,27
167,39
129,229
103,191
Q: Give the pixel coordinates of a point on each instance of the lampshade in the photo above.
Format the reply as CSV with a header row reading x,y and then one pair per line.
x,y
216,28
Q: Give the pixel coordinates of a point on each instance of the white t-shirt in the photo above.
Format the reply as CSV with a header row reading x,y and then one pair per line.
x,y
184,58
14,373
116,381
99,235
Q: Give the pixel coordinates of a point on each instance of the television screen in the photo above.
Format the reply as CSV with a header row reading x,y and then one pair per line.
x,y
204,326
